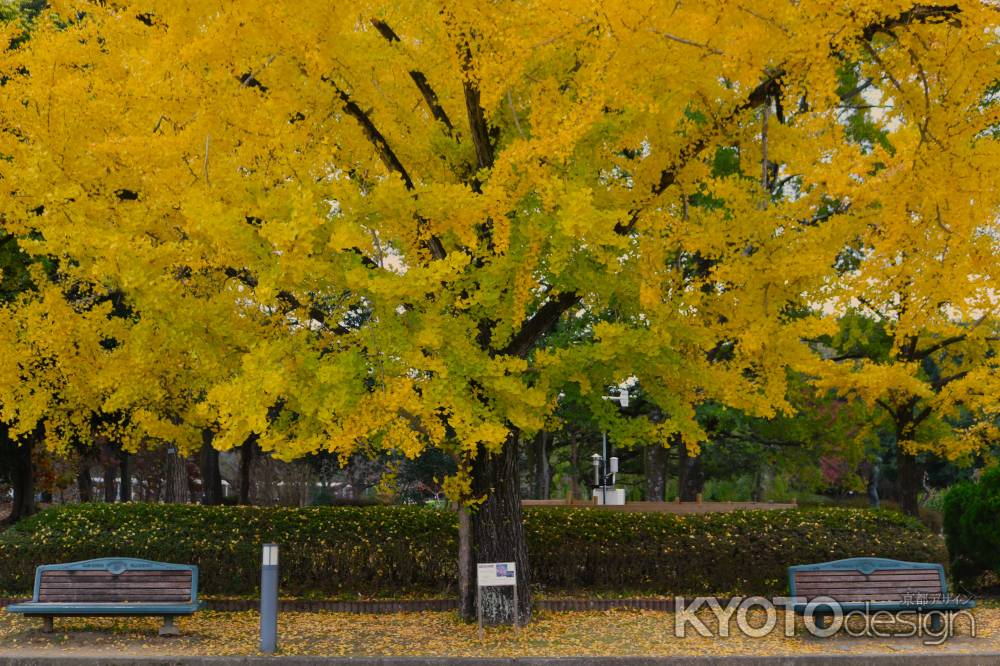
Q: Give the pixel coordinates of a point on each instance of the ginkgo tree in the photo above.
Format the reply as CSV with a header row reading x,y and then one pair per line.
x,y
407,199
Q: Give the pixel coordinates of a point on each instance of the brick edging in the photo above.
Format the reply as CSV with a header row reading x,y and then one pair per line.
x,y
417,605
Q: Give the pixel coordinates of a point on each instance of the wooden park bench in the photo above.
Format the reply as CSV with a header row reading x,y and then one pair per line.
x,y
113,586
872,584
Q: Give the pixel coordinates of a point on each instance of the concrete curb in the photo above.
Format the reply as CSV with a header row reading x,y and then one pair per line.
x,y
940,659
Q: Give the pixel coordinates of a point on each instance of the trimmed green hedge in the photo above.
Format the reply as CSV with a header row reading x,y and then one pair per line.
x,y
395,550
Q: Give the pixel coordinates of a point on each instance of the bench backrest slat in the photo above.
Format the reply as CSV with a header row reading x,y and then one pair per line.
x,y
116,580
867,579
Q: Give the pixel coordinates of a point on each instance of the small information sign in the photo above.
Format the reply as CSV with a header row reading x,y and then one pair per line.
x,y
495,574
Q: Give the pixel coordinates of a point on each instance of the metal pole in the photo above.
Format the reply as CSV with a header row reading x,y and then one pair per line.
x,y
517,624
604,463
269,599
479,608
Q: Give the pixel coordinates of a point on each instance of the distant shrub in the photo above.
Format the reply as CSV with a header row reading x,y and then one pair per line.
x,y
972,526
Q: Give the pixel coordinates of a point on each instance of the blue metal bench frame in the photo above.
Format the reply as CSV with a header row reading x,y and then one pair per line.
x,y
866,566
114,566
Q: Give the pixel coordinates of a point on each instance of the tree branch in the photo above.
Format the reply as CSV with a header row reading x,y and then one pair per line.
x,y
916,14
539,324
944,381
688,42
851,356
245,277
430,97
884,405
668,176
389,159
921,415
924,353
374,136
477,126
757,439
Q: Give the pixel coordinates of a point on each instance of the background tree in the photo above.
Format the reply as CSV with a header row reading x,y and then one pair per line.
x,y
936,385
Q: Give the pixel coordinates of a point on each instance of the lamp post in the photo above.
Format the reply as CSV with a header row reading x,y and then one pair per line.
x,y
269,599
602,461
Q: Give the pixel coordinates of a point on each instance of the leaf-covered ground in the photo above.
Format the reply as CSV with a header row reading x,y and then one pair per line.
x,y
618,632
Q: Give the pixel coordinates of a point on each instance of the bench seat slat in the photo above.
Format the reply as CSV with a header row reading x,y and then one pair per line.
x,y
880,575
116,593
108,574
868,591
867,596
870,597
95,594
180,578
128,585
847,586
117,600
851,571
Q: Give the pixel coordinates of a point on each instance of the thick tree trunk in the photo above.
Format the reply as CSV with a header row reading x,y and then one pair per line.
x,y
497,534
762,481
873,498
910,473
125,487
574,466
909,470
690,479
655,463
542,473
23,480
247,454
109,468
84,482
175,485
466,570
211,477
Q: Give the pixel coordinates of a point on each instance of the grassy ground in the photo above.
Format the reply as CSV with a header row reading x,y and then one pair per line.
x,y
444,634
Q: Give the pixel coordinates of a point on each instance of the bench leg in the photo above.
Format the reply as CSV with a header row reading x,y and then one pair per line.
x,y
822,621
169,628
937,621
47,624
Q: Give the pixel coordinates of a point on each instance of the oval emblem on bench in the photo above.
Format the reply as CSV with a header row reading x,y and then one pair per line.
x,y
116,568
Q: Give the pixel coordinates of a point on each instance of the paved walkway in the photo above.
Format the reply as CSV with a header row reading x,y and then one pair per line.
x,y
414,639
83,659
